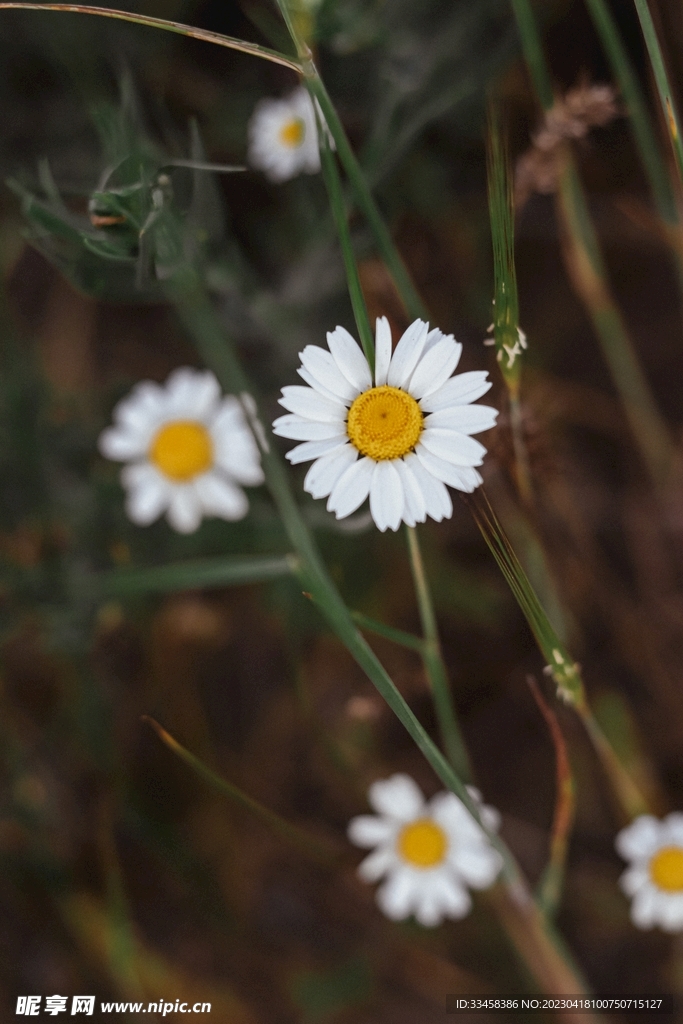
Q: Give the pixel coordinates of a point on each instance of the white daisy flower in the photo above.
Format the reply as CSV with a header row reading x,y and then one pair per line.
x,y
411,428
427,852
283,137
654,878
187,450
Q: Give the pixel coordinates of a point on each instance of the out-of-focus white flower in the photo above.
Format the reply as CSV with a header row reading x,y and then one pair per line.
x,y
427,852
411,428
654,878
283,137
187,450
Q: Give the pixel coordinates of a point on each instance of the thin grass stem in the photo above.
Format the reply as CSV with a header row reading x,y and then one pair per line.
x,y
549,889
230,43
639,115
198,573
397,636
299,837
560,665
338,206
432,657
662,79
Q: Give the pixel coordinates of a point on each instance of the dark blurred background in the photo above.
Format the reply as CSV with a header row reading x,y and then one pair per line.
x,y
121,873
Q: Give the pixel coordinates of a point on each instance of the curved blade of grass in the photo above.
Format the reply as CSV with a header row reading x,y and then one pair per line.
x,y
301,839
639,115
199,573
432,657
662,79
550,886
533,52
168,26
397,636
338,207
560,665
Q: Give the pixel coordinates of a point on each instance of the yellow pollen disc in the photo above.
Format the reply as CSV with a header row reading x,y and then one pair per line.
x,y
422,843
292,134
182,449
384,423
666,869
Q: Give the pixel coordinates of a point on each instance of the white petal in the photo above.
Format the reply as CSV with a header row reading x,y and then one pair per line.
x,y
235,449
349,358
397,897
299,429
479,865
378,864
414,503
185,509
382,350
367,830
323,368
324,473
148,493
311,405
315,449
192,394
468,419
672,828
386,496
437,499
464,478
634,879
220,497
447,896
460,449
435,367
406,354
351,489
671,912
644,908
317,386
639,839
459,390
143,408
398,797
121,444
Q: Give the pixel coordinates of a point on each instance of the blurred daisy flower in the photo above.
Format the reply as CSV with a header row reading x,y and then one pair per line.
x,y
283,137
411,427
427,852
187,451
654,878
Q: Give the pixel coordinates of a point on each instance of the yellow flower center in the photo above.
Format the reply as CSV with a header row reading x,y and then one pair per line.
x,y
182,449
384,423
293,133
666,869
422,843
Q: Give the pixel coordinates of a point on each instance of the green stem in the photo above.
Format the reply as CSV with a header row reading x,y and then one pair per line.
x,y
359,185
533,52
336,197
397,636
639,115
301,839
451,737
201,572
253,49
665,94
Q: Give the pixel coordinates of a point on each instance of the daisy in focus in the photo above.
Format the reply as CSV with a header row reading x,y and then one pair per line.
x,y
187,451
283,137
398,439
654,878
427,852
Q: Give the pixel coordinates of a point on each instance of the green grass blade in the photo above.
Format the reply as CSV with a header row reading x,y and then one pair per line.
x,y
200,573
338,207
168,26
533,52
397,636
301,839
662,79
639,114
